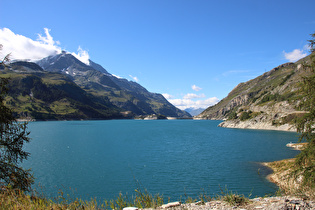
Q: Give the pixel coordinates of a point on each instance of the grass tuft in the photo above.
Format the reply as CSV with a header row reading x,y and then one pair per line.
x,y
234,199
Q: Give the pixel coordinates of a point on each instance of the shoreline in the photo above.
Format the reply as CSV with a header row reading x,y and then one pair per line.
x,y
256,125
282,175
275,177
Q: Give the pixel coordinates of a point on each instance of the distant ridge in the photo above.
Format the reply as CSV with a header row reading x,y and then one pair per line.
x,y
194,111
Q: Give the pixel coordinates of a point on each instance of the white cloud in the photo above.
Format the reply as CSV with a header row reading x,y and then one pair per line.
x,y
294,55
24,48
82,55
190,100
167,96
193,95
134,78
188,103
48,39
195,88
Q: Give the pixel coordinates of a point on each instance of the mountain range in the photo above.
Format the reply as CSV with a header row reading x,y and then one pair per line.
x,y
269,101
194,111
62,87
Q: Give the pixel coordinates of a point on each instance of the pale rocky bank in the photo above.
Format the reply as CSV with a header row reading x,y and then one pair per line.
x,y
268,203
254,124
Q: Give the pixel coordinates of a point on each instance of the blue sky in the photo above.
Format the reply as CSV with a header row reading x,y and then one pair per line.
x,y
192,51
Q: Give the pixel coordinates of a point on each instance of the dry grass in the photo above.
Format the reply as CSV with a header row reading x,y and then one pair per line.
x,y
289,183
16,199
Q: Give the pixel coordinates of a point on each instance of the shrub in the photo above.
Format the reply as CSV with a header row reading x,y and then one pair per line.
x,y
232,115
244,116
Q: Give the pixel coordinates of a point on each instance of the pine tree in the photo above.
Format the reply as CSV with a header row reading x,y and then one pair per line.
x,y
305,161
13,135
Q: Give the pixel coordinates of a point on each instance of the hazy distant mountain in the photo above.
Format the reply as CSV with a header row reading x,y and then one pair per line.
x,y
194,111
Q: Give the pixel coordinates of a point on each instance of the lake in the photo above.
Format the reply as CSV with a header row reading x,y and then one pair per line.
x,y
176,158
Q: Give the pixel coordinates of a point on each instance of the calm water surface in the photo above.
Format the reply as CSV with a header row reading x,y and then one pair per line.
x,y
174,158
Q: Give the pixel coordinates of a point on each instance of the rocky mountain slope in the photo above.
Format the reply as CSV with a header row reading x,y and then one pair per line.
x,y
62,87
38,94
128,95
266,102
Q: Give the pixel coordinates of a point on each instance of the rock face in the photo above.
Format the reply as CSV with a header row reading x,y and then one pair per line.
x,y
269,101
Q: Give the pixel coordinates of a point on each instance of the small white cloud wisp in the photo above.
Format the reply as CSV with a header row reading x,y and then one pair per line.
x,y
295,55
195,88
82,55
48,39
23,48
134,78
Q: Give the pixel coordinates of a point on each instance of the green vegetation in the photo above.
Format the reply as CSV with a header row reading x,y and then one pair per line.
x,y
17,199
305,161
234,199
289,119
298,175
53,96
286,78
232,115
273,97
246,115
13,136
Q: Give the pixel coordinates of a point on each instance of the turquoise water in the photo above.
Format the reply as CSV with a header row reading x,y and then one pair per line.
x,y
170,157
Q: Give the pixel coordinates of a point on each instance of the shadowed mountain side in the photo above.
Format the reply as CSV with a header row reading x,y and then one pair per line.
x,y
37,94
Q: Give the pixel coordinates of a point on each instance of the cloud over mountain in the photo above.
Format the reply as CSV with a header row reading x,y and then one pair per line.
x,y
189,103
191,100
82,55
193,95
295,55
167,96
23,48
134,78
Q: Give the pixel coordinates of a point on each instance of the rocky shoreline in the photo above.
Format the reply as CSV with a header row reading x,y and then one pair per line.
x,y
270,203
253,124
